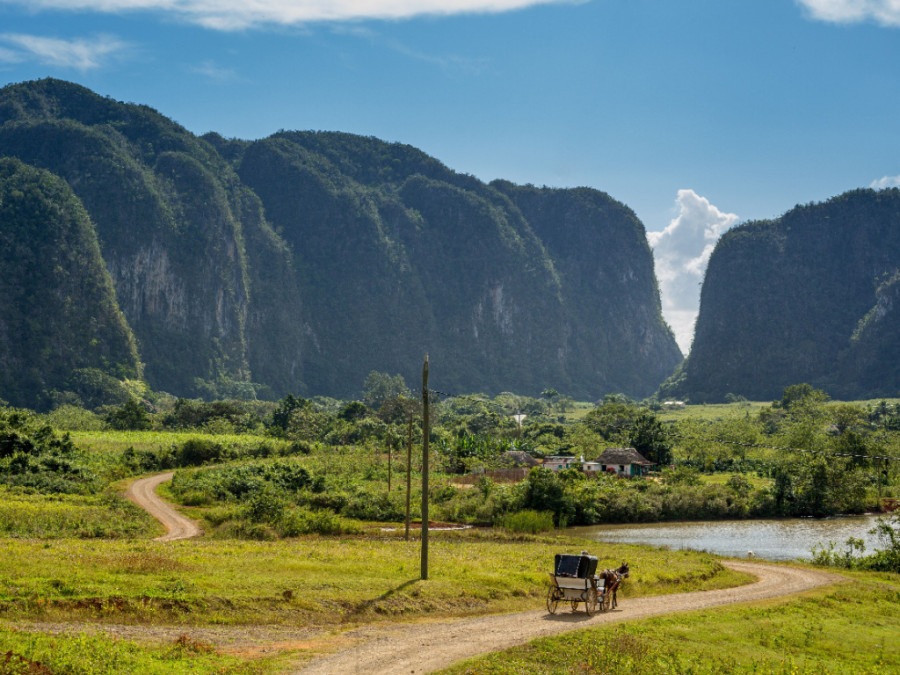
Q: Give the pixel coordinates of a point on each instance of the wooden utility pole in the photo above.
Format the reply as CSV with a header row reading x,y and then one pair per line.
x,y
408,471
425,433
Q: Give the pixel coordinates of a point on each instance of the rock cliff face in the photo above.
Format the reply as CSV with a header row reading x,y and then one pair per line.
x,y
810,297
59,321
301,262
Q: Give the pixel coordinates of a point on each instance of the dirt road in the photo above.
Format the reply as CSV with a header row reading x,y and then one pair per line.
x,y
424,648
143,493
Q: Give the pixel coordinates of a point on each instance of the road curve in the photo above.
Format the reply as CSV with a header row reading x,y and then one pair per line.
x,y
428,647
143,493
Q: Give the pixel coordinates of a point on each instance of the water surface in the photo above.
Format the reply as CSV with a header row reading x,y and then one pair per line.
x,y
782,539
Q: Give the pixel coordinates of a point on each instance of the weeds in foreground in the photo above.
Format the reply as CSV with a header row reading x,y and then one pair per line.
x,y
99,654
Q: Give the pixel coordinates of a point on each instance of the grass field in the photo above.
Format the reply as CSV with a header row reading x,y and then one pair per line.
x,y
79,653
311,581
849,629
85,516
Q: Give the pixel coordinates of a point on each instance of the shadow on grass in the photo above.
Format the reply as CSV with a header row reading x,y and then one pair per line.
x,y
366,605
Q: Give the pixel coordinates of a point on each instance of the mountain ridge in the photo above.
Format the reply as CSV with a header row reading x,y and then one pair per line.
x,y
301,262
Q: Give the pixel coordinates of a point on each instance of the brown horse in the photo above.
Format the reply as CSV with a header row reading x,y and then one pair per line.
x,y
612,579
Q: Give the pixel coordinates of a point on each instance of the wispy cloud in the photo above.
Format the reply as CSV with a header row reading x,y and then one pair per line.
x,y
446,62
211,71
681,252
885,182
884,12
80,53
240,14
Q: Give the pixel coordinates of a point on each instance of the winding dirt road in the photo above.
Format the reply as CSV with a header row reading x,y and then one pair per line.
x,y
143,493
424,648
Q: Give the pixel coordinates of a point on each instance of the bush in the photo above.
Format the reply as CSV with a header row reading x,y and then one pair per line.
x,y
301,521
266,505
530,522
198,451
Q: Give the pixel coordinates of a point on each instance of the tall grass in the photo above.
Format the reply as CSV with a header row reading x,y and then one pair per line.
x,y
58,516
86,654
531,522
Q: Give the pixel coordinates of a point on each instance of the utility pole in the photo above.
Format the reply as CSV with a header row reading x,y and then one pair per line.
x,y
425,433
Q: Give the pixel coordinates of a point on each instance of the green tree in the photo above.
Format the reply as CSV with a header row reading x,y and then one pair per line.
x,y
281,416
648,438
802,394
544,491
379,387
130,416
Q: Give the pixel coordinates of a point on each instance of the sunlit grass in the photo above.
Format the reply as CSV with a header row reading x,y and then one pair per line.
x,y
314,580
847,629
722,478
55,516
78,653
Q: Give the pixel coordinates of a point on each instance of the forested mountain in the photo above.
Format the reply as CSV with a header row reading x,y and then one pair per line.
x,y
60,327
810,297
301,262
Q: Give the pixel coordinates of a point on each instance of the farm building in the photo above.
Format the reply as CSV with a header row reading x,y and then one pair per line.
x,y
624,461
561,462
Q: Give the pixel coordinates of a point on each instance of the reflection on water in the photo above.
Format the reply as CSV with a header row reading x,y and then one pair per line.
x,y
786,539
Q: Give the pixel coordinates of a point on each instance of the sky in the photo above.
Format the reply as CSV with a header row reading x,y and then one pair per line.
x,y
697,114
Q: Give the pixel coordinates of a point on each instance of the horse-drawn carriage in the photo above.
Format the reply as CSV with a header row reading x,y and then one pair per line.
x,y
574,580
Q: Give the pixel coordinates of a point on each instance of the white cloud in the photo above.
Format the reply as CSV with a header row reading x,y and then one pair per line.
x,y
884,12
885,182
81,54
238,14
682,251
211,71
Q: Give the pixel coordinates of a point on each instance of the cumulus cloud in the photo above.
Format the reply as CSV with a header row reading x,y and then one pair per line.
x,y
884,12
238,14
885,182
681,252
80,54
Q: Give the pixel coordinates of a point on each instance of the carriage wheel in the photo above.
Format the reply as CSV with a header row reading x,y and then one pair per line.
x,y
552,599
592,604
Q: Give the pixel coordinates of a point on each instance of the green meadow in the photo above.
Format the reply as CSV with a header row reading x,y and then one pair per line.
x,y
847,629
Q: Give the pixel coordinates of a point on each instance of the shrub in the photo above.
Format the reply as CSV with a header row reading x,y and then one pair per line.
x,y
266,505
197,451
531,522
304,521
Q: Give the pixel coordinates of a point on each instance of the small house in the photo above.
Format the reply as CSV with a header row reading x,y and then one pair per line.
x,y
624,462
562,462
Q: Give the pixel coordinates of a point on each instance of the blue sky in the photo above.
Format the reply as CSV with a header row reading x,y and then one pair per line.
x,y
698,115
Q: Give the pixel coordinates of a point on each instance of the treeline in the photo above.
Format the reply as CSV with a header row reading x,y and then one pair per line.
x,y
269,469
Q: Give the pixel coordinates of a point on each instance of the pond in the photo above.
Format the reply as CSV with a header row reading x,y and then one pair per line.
x,y
782,539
